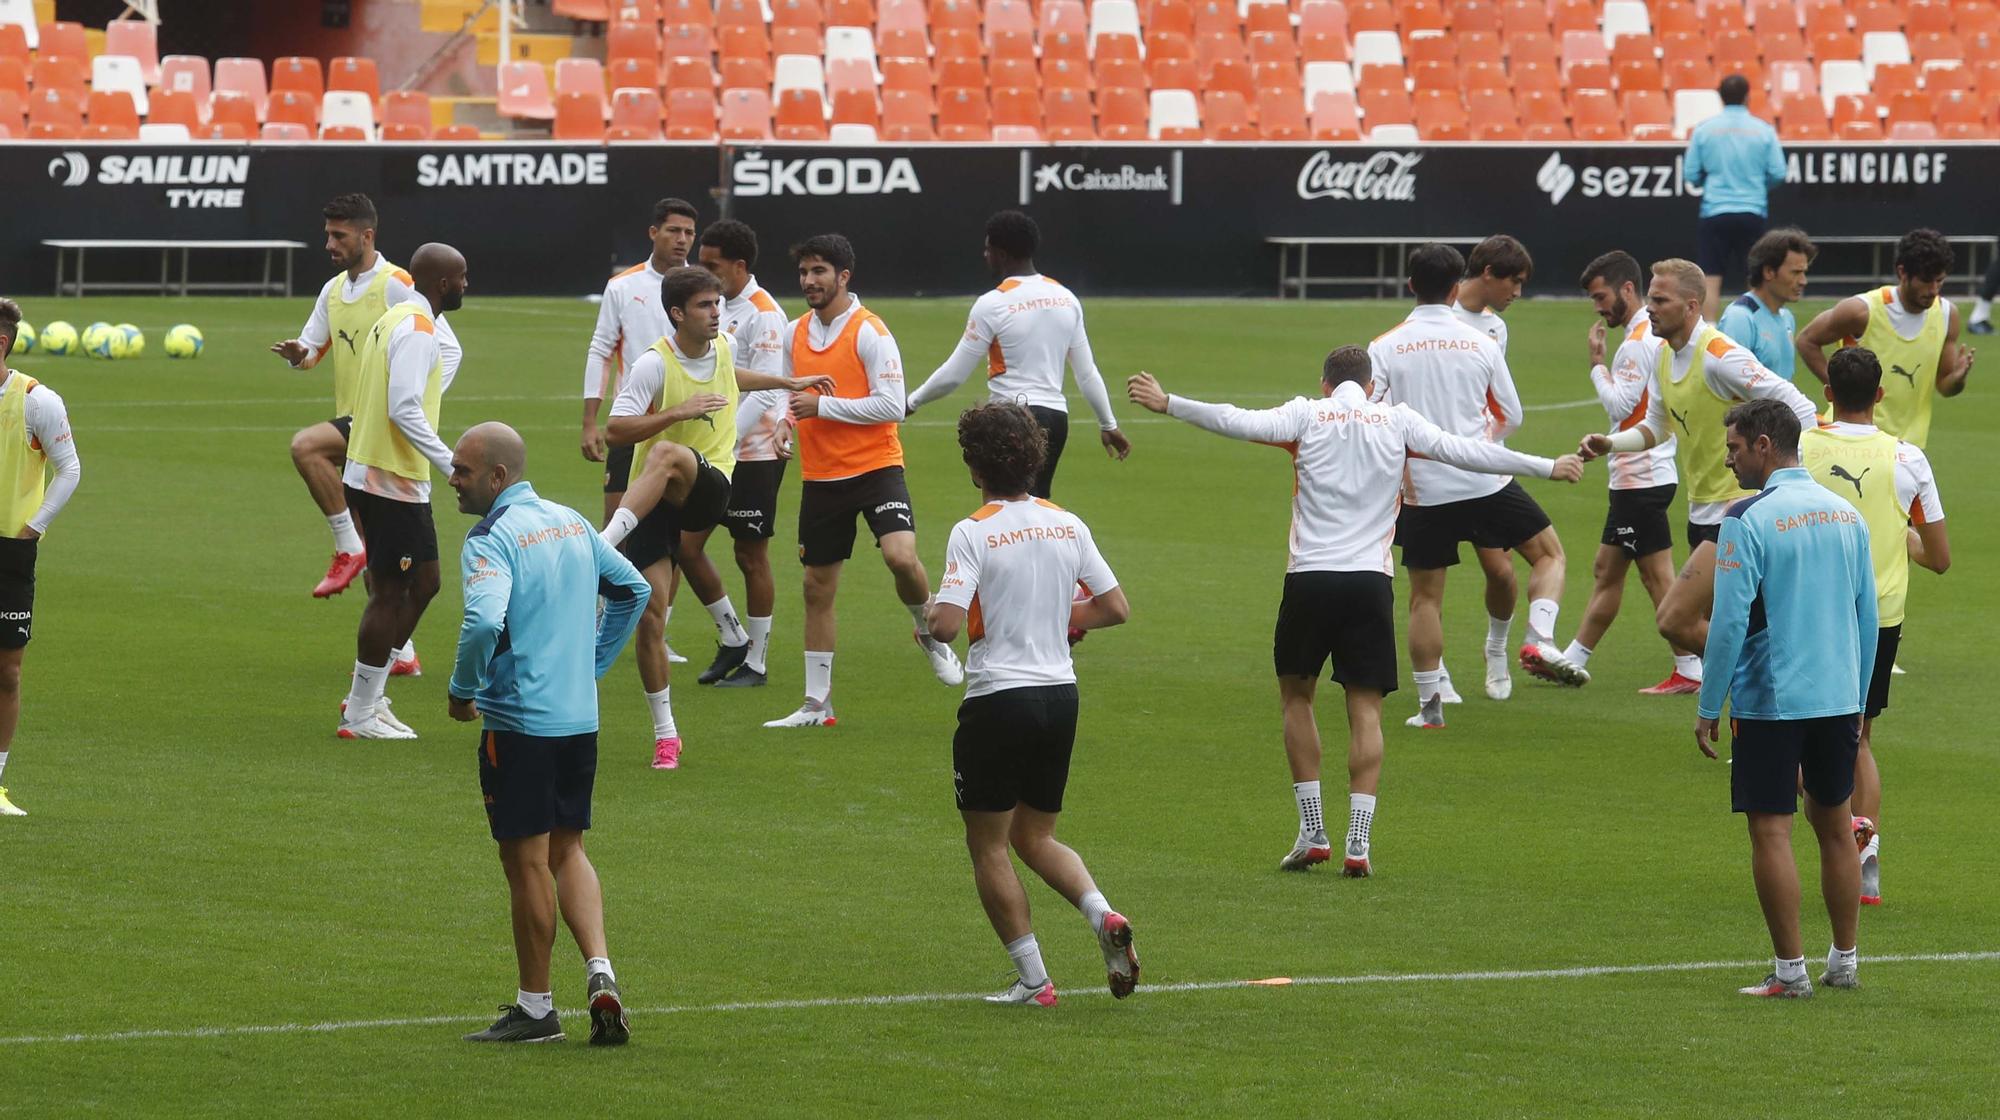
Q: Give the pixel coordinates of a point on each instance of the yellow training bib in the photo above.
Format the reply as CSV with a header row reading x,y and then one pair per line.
x,y
1909,367
713,435
1862,469
375,439
1695,414
24,467
348,325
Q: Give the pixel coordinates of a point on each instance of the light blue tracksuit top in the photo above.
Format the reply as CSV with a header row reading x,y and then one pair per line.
x,y
1792,635
532,647
1735,159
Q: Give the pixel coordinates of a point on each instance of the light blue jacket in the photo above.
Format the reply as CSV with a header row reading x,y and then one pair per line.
x,y
1763,332
1735,159
1792,635
532,647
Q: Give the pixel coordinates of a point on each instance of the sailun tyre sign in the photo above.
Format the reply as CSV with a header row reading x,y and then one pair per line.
x,y
192,181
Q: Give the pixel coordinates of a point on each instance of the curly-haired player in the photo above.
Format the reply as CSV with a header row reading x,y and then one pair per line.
x,y
1010,577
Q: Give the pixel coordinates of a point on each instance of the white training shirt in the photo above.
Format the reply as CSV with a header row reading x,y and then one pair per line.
x,y
1014,568
1025,331
1734,375
629,319
1348,456
648,376
1486,321
757,325
1455,377
318,332
881,359
1909,323
411,355
1916,484
1625,391
48,426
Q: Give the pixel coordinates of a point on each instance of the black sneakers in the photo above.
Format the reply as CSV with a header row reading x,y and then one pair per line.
x,y
743,677
516,1025
726,658
607,1013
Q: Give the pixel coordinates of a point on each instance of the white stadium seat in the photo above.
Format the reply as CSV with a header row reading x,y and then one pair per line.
x,y
1393,134
1878,47
1625,17
1113,17
1377,48
1327,77
855,43
1693,106
1841,76
350,108
1172,108
163,134
109,72
797,71
21,13
852,134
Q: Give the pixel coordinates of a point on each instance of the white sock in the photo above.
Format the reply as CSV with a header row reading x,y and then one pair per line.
x,y
1872,851
1578,654
366,691
405,652
3,762
1838,959
1542,621
1094,908
1792,971
1360,816
1429,684
1688,665
917,615
1027,956
730,630
621,525
759,630
1311,822
819,676
595,965
662,703
1982,310
539,1004
1496,635
345,539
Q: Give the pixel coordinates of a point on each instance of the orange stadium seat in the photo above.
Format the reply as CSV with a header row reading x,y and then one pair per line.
x,y
1859,130
1121,114
1281,116
1172,73
1491,115
233,107
1850,107
112,108
632,40
1532,49
1430,48
963,114
347,132
1434,75
797,40
632,73
13,113
289,131
690,114
1441,115
1590,75
293,106
907,73
1268,15
652,11
1908,105
1226,116
685,73
1335,118
579,116
1235,77
1017,73
1892,78
581,75
57,71
14,44
801,115
593,11
173,106
1912,130
738,13
1066,115
856,106
65,39
690,40
1804,119
746,114
1960,116
1573,15
1422,18
1064,17
1948,77
14,77
457,133
1368,15
1484,75
223,130
1475,16
357,74
1017,108
850,13
300,74
408,107
1647,108
902,43
1010,43
1123,73
524,92
1835,45
1926,50
961,73
1384,105
906,116
796,13
1691,73
135,38
746,73
1596,115
738,40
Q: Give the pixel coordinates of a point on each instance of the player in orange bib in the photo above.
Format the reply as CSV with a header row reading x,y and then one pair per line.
x,y
851,463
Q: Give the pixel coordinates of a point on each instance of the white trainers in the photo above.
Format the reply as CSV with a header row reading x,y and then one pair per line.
x,y
674,658
1499,680
1020,993
943,661
812,713
372,726
8,808
1307,852
1355,864
383,713
1447,693
1430,715
1540,659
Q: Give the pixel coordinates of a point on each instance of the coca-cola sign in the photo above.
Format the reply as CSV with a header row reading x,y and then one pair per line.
x,y
1382,177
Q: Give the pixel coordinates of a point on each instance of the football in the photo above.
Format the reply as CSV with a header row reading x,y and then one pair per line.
x,y
24,342
58,339
183,341
102,340
135,340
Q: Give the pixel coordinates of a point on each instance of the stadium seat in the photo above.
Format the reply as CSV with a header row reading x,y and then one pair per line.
x,y
120,131
358,75
964,115
797,40
1851,107
1114,18
63,39
1398,134
1485,75
1947,77
1645,108
458,133
1960,116
1122,114
633,73
407,109
1839,78
903,42
1879,48
188,74
684,73
1065,74
1793,81
14,77
1385,105
1834,44
1418,18
56,106
1908,105
1596,115
1065,45
150,133
908,74
293,106
1625,17
1583,46
1267,15
1173,116
738,40
688,40
1892,78
659,11
632,40
351,108
1278,75
1324,22
56,71
690,114
1377,48
112,107
1010,16
1858,130
233,107
285,130
1629,73
798,71
1281,116
1063,17
855,106
344,132
1693,106
1430,49
1691,74
1226,116
1371,15
796,13
524,92
739,13
573,75
1440,115
1912,130
14,44
1066,115
746,115
1936,49
906,116
1124,73
1490,115
222,130
961,73
1019,73
851,45
1566,16
1434,75
1474,17
800,115
136,39
1017,107
300,74
173,106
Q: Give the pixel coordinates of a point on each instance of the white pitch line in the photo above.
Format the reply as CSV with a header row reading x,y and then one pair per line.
x,y
1489,975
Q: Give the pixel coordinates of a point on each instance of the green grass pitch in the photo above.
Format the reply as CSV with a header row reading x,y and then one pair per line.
x,y
207,861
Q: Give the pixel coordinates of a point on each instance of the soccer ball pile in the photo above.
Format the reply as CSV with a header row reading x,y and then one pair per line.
x,y
105,340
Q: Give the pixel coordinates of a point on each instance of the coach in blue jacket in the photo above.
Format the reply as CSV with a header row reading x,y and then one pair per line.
x,y
529,655
1735,159
1791,645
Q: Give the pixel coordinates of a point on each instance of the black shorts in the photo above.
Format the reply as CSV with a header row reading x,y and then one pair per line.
x,y
1637,520
753,499
400,535
1722,246
658,536
1886,641
1429,535
345,426
1055,427
618,469
1012,748
1348,616
1771,758
827,511
17,591
1696,534
535,784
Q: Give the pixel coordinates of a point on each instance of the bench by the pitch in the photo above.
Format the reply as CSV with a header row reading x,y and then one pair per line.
x,y
1387,280
66,286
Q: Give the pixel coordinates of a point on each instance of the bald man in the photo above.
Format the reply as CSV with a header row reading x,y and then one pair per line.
x,y
390,452
529,656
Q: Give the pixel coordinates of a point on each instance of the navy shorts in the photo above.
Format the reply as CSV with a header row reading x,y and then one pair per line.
x,y
535,784
1722,246
1771,758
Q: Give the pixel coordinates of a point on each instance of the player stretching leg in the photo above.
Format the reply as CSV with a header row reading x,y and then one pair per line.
x,y
851,463
1339,601
1010,571
387,477
1636,530
1026,330
34,436
1890,482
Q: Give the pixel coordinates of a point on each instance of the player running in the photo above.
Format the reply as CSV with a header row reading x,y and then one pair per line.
x,y
1890,482
1350,455
1026,330
1697,377
395,444
1759,318
1457,378
1913,331
851,464
347,308
1011,571
34,438
1636,530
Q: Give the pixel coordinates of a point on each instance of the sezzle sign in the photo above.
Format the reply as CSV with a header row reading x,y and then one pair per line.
x,y
193,182
754,176
1639,180
514,169
1841,167
1382,177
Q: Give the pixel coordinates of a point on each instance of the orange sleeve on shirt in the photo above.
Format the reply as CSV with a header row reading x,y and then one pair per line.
x,y
975,620
1009,284
422,325
1917,511
399,274
986,511
1718,347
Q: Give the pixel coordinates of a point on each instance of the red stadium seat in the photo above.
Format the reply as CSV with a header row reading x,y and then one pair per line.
x,y
961,73
856,106
1804,119
850,13
294,106
1017,108
14,77
407,107
1647,107
1121,114
1385,105
963,115
746,73
1933,48
796,13
797,40
232,107
1017,73
56,71
173,106
697,40
1573,15
355,133
1596,115
690,114
738,40
356,74
1434,75
1281,116
906,116
1226,116
1484,75
579,116
1440,115
1011,44
801,115
907,74
14,44
1123,73
1235,77
1490,115
1277,75
746,115
1066,115
299,74
687,73
1691,73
